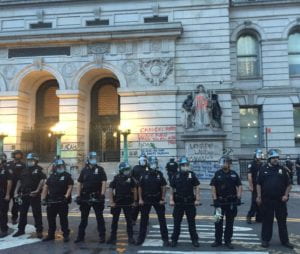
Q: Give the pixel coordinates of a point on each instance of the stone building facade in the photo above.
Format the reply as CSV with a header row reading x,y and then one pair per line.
x,y
92,65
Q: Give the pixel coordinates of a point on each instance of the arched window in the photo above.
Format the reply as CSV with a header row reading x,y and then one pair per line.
x,y
248,56
294,53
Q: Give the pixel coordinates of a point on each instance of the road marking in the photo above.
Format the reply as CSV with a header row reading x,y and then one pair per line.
x,y
10,242
203,226
199,252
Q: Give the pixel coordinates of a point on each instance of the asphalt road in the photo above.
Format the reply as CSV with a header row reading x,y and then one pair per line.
x,y
246,237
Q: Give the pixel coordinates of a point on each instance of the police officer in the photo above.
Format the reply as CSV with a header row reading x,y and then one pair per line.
x,y
16,166
298,169
57,195
185,196
137,172
226,193
273,187
5,188
152,191
91,193
253,169
172,168
122,196
290,168
29,188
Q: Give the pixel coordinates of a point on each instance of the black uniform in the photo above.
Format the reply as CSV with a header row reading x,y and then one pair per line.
x,y
137,172
151,184
57,188
289,164
253,169
91,178
226,184
298,170
123,199
172,169
183,184
5,176
30,179
16,167
273,181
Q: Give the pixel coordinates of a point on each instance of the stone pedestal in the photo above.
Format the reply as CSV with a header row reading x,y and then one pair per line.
x,y
204,149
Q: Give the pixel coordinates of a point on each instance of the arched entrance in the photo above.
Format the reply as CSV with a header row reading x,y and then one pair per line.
x,y
105,119
46,115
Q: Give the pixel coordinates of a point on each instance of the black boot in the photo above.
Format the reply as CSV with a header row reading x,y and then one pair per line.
x,y
19,233
66,239
173,243
195,243
216,244
229,245
131,240
248,220
288,245
3,234
112,240
265,244
79,239
49,238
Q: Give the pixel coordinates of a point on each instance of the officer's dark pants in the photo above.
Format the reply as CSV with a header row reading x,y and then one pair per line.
x,y
229,212
160,211
15,206
35,203
53,210
269,208
135,212
254,208
115,211
85,211
298,178
3,214
190,212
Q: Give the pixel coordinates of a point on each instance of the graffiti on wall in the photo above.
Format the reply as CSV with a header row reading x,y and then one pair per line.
x,y
158,133
205,170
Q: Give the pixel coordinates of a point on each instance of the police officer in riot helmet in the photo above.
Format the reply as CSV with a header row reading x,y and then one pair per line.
x,y
57,195
273,187
28,191
290,168
91,193
5,189
297,165
172,168
137,172
226,192
152,191
16,166
185,196
123,195
253,170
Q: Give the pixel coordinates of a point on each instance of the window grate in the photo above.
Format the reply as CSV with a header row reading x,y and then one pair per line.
x,y
40,25
97,22
156,19
41,51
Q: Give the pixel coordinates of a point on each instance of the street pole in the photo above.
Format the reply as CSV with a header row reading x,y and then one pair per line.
x,y
267,140
2,136
125,147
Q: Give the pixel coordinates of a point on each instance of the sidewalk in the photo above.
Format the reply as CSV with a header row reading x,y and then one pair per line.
x,y
205,186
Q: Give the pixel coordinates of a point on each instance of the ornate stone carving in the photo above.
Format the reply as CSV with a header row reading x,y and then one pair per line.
x,y
68,69
155,9
3,53
98,60
97,12
9,72
156,71
156,46
38,63
121,48
40,15
129,68
79,50
99,48
247,22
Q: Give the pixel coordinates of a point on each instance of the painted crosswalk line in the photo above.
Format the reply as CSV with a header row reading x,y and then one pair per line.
x,y
241,235
10,242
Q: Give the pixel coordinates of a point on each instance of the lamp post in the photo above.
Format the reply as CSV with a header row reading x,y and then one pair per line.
x,y
2,136
57,132
125,132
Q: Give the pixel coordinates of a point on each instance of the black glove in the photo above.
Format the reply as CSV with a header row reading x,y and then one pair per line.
x,y
78,200
102,197
238,201
44,202
216,203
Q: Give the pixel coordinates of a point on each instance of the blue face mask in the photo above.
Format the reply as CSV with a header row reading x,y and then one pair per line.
x,y
60,170
93,162
30,163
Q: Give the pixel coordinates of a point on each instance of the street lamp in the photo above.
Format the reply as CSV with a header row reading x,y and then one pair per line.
x,y
3,134
125,131
57,131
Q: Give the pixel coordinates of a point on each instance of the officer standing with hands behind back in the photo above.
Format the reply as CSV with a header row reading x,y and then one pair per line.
x,y
152,192
123,196
273,187
91,193
57,195
226,192
185,196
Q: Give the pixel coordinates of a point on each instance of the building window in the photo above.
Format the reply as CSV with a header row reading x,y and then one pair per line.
x,y
297,124
250,126
248,57
294,54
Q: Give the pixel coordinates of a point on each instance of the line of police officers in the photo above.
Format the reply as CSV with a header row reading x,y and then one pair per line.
x,y
139,190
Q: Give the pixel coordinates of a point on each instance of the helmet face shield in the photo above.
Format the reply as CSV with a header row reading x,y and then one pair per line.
x,y
92,158
30,163
225,162
124,168
143,161
259,154
153,163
